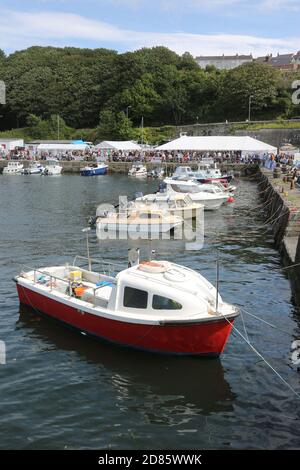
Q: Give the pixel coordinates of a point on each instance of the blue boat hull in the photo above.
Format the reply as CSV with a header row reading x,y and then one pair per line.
x,y
94,171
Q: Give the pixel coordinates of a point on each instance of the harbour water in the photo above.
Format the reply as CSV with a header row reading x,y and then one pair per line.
x,y
59,390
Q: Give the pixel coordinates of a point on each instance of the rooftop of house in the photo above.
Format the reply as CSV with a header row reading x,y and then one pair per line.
x,y
225,57
282,59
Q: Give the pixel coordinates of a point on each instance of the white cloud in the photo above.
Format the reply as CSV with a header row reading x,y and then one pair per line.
x,y
187,4
292,5
19,30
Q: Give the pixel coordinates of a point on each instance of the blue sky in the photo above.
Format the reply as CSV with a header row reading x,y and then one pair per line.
x,y
201,27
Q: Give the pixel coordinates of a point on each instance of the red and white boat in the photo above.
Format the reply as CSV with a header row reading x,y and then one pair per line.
x,y
155,306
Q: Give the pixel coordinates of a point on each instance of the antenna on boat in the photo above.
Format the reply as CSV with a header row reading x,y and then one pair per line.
x,y
86,230
217,281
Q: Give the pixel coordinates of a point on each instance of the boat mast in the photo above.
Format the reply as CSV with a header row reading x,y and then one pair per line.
x,y
86,230
217,282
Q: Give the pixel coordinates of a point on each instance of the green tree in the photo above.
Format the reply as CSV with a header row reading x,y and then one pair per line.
x,y
254,79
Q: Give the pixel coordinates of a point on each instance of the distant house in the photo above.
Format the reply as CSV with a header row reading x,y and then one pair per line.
x,y
223,62
264,59
284,62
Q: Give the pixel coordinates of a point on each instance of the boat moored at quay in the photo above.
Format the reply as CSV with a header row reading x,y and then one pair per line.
x,y
94,169
156,306
13,168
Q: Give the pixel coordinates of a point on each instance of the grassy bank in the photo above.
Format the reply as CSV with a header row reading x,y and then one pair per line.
x,y
267,125
149,135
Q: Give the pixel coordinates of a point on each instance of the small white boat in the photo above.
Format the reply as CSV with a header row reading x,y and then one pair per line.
x,y
13,168
138,220
184,172
177,204
34,168
155,306
207,172
209,195
52,168
138,169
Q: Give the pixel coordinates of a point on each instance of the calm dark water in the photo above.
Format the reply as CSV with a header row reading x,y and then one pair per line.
x,y
59,390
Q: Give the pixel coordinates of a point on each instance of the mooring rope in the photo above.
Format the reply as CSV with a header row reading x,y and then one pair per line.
x,y
262,357
266,322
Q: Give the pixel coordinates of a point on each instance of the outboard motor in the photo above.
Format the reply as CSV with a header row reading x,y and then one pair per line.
x,y
92,221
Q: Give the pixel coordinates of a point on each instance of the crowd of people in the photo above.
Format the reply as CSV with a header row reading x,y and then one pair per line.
x,y
148,156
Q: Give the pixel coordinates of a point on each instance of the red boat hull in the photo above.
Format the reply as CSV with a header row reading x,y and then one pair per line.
x,y
205,338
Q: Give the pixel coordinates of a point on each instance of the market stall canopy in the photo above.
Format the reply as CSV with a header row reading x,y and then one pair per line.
x,y
218,144
118,145
61,147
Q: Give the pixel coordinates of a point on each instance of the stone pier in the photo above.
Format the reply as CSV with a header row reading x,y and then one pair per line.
x,y
282,212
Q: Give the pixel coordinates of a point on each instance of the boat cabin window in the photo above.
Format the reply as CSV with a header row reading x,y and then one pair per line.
x,y
163,303
135,298
149,215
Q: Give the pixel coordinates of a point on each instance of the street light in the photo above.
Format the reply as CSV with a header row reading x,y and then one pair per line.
x,y
250,101
127,110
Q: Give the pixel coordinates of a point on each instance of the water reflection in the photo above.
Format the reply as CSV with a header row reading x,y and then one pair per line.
x,y
191,383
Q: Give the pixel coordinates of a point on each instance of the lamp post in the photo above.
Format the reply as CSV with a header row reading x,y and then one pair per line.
x,y
58,127
127,109
250,101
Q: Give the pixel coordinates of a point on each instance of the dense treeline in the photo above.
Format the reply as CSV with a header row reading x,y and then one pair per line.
x,y
84,86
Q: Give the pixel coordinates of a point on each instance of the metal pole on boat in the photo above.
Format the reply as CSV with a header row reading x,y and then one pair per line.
x,y
86,230
217,282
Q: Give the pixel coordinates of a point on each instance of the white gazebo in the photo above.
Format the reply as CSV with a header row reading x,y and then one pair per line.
x,y
243,144
118,145
61,147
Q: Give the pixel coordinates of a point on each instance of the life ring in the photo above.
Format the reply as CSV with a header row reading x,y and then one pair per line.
x,y
175,275
154,266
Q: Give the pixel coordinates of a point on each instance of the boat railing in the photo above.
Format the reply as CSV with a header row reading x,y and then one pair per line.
x,y
107,267
52,278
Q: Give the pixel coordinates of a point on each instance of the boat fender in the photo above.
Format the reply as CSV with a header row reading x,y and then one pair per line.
x,y
175,275
154,266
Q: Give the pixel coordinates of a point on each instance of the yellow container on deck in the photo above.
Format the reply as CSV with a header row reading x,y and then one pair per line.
x,y
75,276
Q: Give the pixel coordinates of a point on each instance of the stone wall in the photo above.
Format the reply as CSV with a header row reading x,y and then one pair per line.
x,y
283,217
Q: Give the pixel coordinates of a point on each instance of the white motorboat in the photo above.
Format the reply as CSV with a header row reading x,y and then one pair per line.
x,y
157,306
138,220
34,168
209,195
13,168
52,168
177,204
229,189
138,169
184,172
207,172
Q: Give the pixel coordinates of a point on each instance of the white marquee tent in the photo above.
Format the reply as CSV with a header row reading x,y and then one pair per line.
x,y
219,144
118,145
61,147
